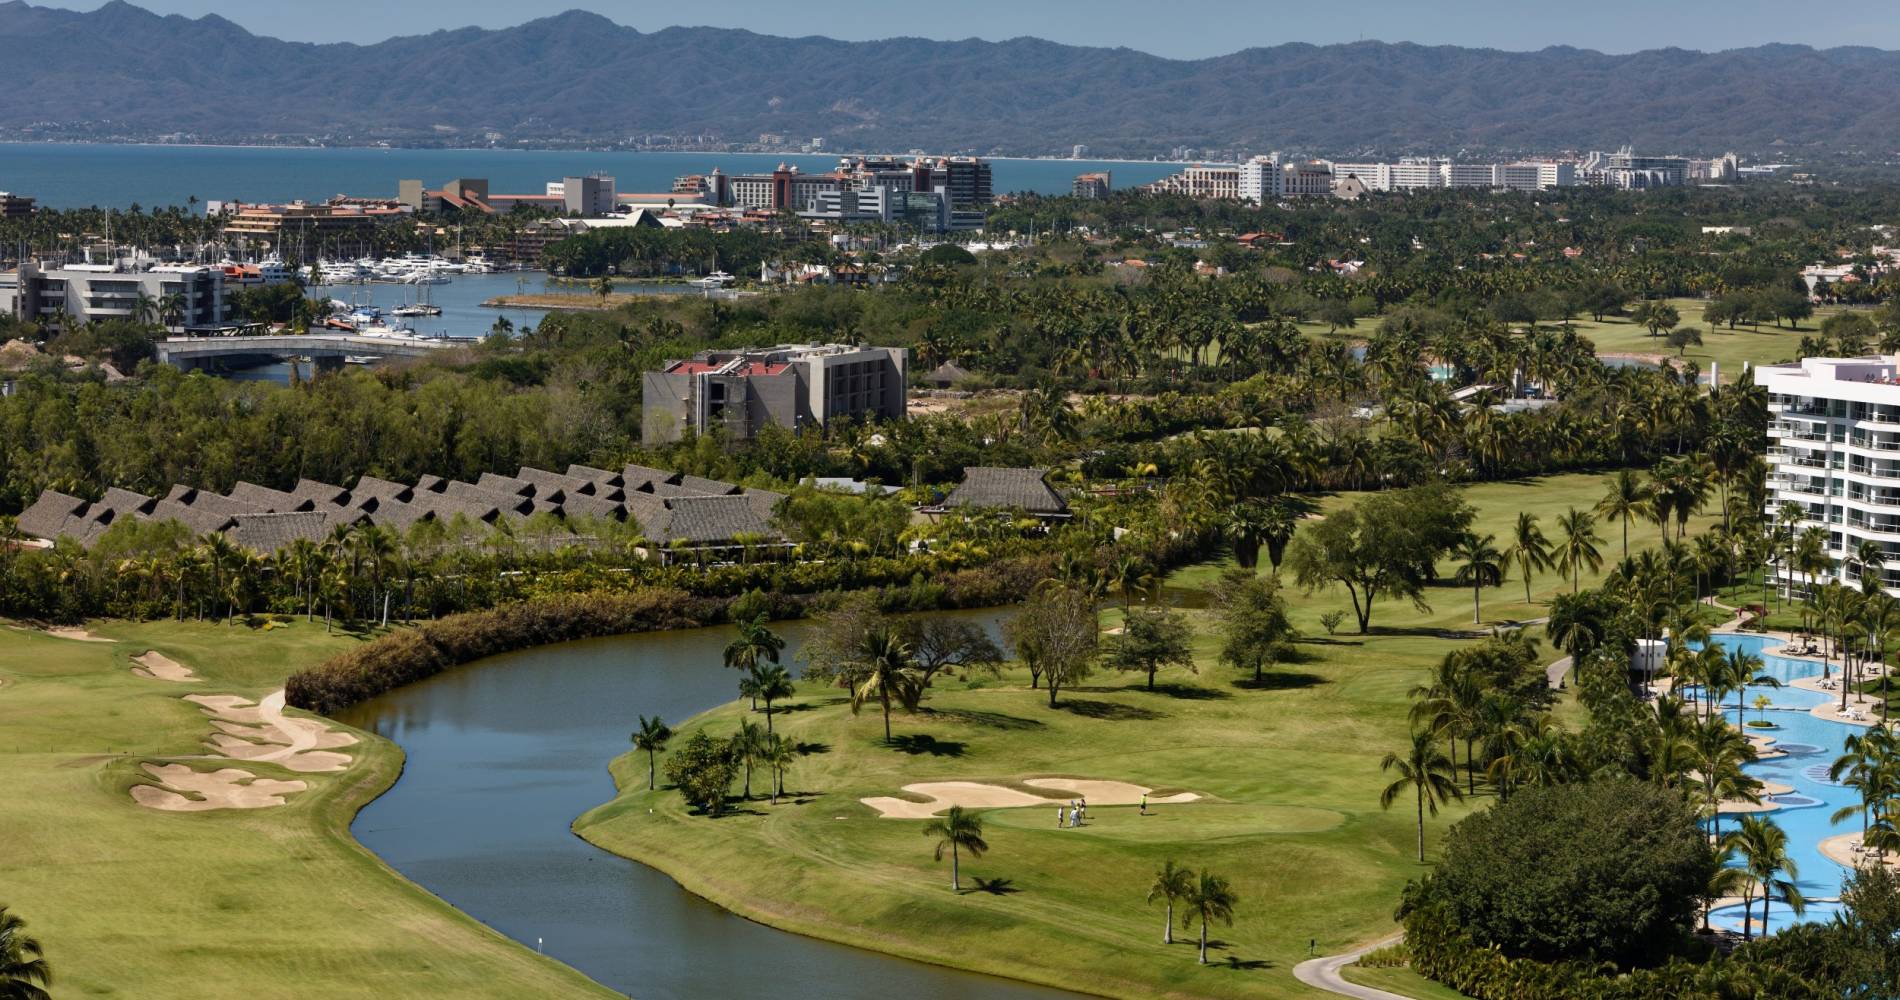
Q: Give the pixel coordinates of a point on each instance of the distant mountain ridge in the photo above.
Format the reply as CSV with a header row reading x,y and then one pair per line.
x,y
123,71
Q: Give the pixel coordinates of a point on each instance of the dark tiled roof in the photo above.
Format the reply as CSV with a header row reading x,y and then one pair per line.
x,y
706,520
432,484
122,502
648,511
582,505
446,507
507,484
231,506
269,532
988,486
180,493
546,482
264,498
48,514
592,474
199,520
369,487
396,514
764,502
701,486
633,475
504,502
320,493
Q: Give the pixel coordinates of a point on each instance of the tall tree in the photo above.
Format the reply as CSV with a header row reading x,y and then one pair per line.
x,y
24,974
885,672
1762,846
1211,899
1529,549
1577,546
652,737
959,832
1480,565
1151,638
1425,770
1172,882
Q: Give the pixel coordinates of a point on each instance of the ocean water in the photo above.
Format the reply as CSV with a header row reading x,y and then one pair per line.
x,y
78,175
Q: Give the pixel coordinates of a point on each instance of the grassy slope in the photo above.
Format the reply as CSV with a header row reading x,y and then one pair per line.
x,y
1402,981
1294,821
269,903
1617,335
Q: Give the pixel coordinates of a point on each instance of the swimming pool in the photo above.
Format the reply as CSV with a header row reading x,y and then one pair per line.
x,y
1810,746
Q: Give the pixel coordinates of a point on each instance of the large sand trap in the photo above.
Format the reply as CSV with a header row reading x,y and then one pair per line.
x,y
229,788
980,795
159,667
262,732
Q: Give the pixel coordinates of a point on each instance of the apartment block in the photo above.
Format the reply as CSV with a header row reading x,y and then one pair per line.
x,y
1834,453
735,393
55,297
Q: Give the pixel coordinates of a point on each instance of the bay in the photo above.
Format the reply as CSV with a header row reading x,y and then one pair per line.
x,y
79,175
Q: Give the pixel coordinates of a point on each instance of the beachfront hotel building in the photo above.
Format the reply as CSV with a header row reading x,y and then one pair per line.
x,y
1834,452
735,393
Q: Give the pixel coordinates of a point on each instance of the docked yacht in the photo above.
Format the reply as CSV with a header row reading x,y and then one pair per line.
x,y
717,279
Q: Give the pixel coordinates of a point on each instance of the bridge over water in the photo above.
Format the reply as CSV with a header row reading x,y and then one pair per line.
x,y
327,349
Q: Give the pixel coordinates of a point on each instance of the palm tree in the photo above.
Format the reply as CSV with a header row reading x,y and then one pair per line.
x,y
779,754
747,746
958,831
1727,880
1428,772
1211,898
1627,498
24,973
886,671
756,644
1171,882
768,684
1479,566
1578,547
1762,847
1131,575
651,737
1529,549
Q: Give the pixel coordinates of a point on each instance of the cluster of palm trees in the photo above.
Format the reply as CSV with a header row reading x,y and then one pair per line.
x,y
1203,896
1870,764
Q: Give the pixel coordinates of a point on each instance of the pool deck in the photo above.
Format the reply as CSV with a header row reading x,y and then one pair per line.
x,y
1840,850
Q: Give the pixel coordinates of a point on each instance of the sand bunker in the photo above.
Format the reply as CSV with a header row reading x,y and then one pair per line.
x,y
182,789
262,732
980,795
77,635
159,667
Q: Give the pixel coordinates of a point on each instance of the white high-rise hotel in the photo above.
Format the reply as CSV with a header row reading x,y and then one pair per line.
x,y
1834,450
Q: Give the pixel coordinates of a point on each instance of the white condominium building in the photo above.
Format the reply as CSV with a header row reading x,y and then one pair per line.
x,y
1834,451
1260,179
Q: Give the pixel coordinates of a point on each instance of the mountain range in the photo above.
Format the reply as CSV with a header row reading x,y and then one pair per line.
x,y
124,72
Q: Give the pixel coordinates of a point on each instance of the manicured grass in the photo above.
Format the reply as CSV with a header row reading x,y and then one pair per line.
x,y
280,902
1402,981
1763,344
1291,771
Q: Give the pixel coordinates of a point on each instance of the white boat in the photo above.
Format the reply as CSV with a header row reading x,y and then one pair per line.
x,y
358,359
717,279
417,309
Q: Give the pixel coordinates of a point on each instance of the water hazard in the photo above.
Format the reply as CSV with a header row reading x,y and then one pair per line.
x,y
504,754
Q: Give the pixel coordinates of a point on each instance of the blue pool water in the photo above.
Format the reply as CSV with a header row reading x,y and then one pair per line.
x,y
1811,745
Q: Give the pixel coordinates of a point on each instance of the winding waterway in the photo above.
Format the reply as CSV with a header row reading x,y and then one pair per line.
x,y
504,754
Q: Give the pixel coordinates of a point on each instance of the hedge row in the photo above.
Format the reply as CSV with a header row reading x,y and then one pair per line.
x,y
412,654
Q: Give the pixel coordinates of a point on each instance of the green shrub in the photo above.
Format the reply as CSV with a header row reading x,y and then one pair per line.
x,y
1611,871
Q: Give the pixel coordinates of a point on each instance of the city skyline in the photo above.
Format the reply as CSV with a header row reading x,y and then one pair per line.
x,y
1198,29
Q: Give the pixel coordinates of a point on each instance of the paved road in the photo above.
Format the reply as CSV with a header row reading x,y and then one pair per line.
x,y
1556,672
1323,974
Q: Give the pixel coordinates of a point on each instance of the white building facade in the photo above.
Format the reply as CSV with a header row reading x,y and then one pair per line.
x,y
1834,452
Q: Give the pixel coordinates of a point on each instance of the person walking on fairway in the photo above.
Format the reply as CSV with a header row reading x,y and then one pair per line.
x,y
1144,803
1062,816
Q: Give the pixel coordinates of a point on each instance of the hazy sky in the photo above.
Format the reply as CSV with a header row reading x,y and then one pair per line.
x,y
1174,28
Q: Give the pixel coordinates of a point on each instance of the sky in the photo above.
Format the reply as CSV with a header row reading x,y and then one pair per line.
x,y
1181,29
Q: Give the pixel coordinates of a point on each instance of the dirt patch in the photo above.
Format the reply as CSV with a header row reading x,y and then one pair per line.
x,y
182,789
933,797
157,666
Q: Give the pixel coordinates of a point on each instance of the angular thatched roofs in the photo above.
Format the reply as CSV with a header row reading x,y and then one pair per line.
x,y
1024,489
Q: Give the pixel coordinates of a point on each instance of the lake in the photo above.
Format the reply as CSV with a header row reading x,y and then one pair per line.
x,y
77,175
504,754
